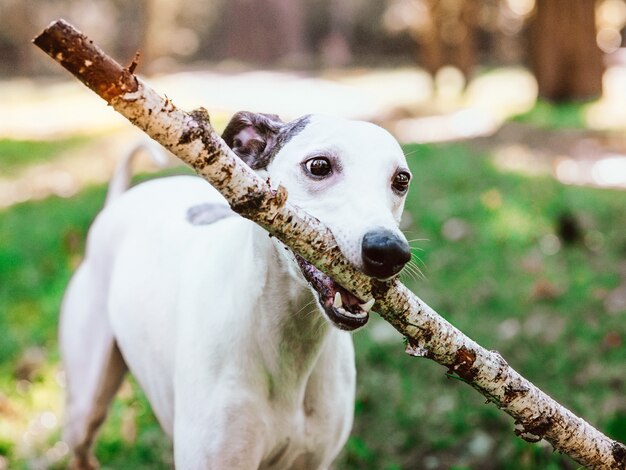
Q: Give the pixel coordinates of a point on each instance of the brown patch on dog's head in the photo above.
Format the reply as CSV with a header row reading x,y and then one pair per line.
x,y
256,137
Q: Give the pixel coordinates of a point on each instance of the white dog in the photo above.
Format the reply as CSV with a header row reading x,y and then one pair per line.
x,y
237,343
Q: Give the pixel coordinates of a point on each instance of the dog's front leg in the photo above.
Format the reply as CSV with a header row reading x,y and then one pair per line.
x,y
226,432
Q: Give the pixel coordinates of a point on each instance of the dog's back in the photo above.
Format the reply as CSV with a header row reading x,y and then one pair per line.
x,y
133,258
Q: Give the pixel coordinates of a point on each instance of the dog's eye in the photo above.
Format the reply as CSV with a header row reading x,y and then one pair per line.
x,y
318,166
401,181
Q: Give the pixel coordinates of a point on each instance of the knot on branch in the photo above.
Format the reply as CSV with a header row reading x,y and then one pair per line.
x,y
513,392
463,364
380,288
261,201
534,429
414,349
619,455
198,128
133,64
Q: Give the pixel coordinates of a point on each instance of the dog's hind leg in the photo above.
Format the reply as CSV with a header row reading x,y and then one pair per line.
x,y
94,366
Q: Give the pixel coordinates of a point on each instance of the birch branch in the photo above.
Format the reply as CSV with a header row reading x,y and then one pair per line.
x,y
191,138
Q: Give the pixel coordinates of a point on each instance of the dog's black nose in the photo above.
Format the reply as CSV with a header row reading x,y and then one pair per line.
x,y
384,253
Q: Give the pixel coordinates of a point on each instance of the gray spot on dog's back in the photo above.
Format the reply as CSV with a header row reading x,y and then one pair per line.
x,y
208,213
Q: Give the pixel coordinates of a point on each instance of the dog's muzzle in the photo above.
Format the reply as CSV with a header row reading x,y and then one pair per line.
x,y
344,309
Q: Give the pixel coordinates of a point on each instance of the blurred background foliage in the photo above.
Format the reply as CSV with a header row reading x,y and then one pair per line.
x,y
512,114
548,35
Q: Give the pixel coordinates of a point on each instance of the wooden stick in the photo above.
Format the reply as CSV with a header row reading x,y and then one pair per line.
x,y
192,139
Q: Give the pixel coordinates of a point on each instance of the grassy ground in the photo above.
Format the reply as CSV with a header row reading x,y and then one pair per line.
x,y
555,116
17,154
494,265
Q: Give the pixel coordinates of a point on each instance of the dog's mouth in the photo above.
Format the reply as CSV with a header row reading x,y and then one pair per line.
x,y
344,309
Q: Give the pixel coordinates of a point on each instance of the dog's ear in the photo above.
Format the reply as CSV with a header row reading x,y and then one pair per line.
x,y
252,137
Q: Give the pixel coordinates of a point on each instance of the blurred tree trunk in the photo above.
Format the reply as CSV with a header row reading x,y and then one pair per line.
x,y
449,36
131,31
564,55
464,54
335,48
431,51
18,19
159,27
264,31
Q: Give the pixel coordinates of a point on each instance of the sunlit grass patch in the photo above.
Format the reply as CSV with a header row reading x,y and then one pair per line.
x,y
18,154
556,116
31,411
38,245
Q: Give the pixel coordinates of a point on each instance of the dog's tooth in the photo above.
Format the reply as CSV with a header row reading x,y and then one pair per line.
x,y
338,302
367,306
355,315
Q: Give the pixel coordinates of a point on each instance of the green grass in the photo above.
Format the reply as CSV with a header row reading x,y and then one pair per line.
x,y
488,283
555,116
18,154
500,282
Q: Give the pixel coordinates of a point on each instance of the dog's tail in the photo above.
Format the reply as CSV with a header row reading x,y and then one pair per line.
x,y
123,170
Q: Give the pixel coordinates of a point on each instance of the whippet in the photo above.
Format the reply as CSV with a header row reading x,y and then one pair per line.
x,y
240,347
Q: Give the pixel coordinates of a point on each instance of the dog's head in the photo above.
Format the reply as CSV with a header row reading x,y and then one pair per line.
x,y
350,175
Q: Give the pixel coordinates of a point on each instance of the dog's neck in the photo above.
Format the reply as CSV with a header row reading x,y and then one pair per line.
x,y
294,329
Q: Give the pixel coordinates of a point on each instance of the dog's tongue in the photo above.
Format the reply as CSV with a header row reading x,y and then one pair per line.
x,y
343,308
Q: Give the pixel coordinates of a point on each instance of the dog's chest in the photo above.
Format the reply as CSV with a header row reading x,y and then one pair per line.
x,y
307,431
300,442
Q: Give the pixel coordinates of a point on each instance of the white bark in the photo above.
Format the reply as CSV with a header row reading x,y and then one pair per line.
x,y
190,137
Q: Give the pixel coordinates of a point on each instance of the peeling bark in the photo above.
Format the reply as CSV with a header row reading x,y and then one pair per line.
x,y
192,139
